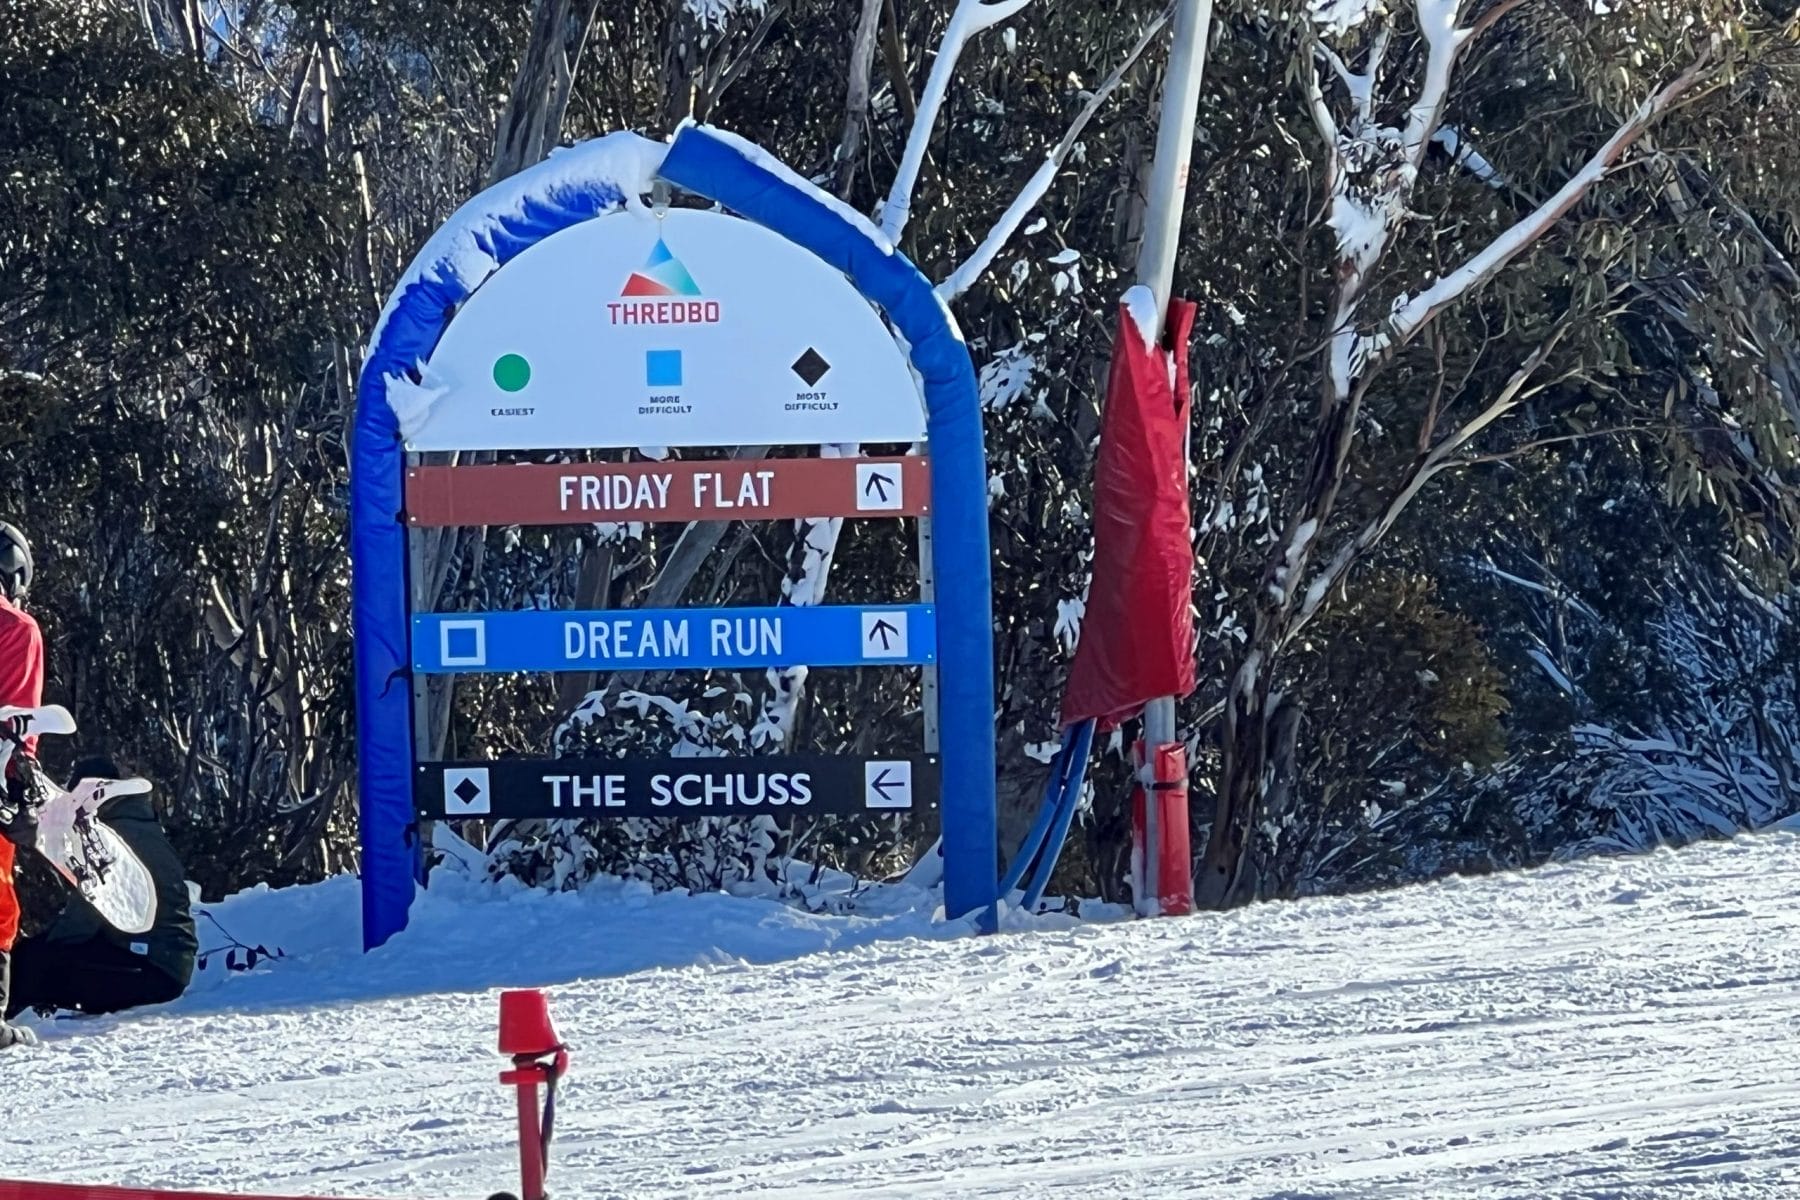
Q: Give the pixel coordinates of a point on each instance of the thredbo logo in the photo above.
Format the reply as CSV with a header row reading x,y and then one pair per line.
x,y
662,293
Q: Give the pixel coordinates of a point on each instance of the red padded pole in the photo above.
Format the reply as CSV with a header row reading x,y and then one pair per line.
x,y
1165,888
1175,878
531,1144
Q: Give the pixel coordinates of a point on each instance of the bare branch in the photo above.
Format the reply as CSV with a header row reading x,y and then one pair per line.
x,y
1039,184
1410,315
1328,130
1443,43
1489,19
856,95
1514,453
1336,61
1423,471
740,64
893,51
970,18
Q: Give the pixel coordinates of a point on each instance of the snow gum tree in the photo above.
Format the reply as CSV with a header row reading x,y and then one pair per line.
x,y
1476,264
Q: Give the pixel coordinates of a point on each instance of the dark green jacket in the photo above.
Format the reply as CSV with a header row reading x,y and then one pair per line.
x,y
169,944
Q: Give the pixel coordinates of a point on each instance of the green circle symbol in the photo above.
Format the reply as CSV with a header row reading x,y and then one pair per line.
x,y
512,372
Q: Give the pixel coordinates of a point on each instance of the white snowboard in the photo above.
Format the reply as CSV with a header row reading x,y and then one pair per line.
x,y
72,839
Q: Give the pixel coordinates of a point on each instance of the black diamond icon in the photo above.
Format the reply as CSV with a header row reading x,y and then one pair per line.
x,y
811,366
467,790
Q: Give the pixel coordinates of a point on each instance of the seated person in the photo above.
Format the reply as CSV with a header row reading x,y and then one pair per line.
x,y
80,962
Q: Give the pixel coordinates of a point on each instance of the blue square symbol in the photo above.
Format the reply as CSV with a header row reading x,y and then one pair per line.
x,y
662,368
463,643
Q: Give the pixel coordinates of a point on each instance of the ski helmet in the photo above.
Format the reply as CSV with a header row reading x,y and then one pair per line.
x,y
15,562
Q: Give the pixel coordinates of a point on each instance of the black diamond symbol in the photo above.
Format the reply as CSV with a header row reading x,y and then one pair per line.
x,y
467,790
811,366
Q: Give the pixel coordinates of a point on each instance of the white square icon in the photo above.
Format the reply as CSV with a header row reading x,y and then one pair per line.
x,y
884,634
466,792
880,487
887,784
462,643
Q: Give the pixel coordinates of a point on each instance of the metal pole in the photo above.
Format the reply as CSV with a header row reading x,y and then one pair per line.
x,y
928,674
1156,270
1174,141
422,601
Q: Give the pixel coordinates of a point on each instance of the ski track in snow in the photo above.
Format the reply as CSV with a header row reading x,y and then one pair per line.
x,y
1606,1030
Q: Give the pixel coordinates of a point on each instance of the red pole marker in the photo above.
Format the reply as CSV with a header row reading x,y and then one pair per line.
x,y
1173,885
539,1059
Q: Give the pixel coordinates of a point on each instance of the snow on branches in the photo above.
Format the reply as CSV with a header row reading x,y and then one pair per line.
x,y
715,14
970,18
1339,17
1378,78
1372,169
1373,166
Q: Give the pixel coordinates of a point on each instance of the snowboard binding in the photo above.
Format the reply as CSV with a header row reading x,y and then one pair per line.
x,y
94,855
27,788
64,826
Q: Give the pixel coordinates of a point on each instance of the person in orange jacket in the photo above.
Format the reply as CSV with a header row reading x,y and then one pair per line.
x,y
21,686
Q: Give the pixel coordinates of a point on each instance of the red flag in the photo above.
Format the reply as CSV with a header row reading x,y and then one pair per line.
x,y
1137,638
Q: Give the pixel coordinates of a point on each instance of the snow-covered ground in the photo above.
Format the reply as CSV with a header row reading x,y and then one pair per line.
x,y
1617,1028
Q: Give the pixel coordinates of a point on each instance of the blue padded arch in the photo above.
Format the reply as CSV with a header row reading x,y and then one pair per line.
x,y
715,167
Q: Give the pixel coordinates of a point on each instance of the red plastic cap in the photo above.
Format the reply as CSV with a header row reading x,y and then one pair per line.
x,y
525,1027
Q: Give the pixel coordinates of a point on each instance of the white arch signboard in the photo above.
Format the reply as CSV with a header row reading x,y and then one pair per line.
x,y
645,330
688,329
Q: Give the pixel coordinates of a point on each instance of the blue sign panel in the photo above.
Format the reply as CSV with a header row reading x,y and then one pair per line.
x,y
669,639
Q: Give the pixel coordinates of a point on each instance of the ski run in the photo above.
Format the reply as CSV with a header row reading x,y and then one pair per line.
x,y
1614,1028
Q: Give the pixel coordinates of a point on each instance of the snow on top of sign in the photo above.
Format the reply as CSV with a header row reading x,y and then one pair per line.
x,y
774,166
461,248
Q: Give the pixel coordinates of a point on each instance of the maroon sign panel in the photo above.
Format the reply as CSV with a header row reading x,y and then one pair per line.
x,y
581,493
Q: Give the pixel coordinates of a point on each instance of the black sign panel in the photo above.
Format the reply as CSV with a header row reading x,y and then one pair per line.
x,y
676,787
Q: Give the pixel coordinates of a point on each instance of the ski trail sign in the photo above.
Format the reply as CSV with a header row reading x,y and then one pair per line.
x,y
768,319
681,788
777,489
701,333
674,639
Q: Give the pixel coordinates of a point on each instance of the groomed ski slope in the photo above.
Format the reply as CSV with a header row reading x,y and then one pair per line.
x,y
1612,1029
